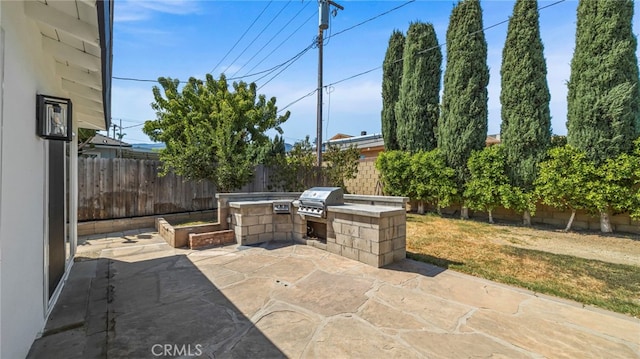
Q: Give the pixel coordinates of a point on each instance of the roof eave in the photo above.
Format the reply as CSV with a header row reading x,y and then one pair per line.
x,y
105,28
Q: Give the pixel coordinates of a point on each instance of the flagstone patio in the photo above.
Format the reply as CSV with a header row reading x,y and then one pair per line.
x,y
131,295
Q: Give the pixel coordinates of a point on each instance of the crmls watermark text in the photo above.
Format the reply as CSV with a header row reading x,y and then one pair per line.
x,y
161,350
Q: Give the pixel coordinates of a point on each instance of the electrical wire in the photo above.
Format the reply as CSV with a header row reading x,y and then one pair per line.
x,y
435,47
241,37
292,61
297,100
371,19
282,43
257,36
272,38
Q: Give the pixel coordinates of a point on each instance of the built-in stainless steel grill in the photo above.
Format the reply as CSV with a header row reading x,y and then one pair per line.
x,y
314,201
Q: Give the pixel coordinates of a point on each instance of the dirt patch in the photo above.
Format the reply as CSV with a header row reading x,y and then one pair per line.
x,y
617,248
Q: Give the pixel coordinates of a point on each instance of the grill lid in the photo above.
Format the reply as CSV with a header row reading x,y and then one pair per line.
x,y
326,196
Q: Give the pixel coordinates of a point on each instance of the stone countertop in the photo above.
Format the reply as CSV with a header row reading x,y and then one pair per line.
x,y
366,210
242,204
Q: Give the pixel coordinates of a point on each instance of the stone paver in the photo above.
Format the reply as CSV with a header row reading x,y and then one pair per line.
x,y
285,300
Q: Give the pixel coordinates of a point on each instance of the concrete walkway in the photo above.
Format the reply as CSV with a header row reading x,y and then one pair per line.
x,y
132,296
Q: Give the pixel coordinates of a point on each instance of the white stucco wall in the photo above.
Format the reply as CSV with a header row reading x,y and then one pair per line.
x,y
27,71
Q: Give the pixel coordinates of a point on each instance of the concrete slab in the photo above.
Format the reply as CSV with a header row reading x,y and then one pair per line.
x,y
148,300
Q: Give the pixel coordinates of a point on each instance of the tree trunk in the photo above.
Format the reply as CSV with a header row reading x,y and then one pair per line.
x,y
573,215
605,224
526,218
439,210
491,216
420,207
464,212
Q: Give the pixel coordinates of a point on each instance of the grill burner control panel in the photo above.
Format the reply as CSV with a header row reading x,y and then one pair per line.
x,y
281,207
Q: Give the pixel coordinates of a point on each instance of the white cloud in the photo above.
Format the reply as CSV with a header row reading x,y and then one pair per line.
x,y
139,10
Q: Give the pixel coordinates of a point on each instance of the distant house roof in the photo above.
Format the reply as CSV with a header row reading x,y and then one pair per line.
x,y
493,140
339,136
101,140
364,141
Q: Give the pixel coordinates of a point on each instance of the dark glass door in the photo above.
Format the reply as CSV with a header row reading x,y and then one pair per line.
x,y
57,184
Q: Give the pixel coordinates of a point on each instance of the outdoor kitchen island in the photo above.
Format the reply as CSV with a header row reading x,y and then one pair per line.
x,y
369,229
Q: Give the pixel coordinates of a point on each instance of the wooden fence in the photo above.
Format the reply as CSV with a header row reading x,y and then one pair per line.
x,y
120,188
110,188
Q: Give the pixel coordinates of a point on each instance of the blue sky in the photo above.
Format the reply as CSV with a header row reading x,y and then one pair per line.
x,y
183,38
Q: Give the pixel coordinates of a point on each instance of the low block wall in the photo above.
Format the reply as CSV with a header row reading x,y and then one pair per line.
x,y
126,224
621,222
177,236
370,237
209,239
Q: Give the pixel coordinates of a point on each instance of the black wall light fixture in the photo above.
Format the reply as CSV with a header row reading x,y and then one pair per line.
x,y
53,118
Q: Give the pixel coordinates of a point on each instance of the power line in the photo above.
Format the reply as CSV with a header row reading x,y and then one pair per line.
x,y
371,19
257,36
273,37
291,61
230,78
241,37
282,43
435,47
297,100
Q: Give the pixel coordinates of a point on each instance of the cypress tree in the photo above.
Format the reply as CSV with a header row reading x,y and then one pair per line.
x,y
526,122
603,95
417,109
463,124
391,79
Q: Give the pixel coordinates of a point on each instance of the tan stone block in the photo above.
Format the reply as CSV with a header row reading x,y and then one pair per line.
x,y
620,219
335,248
399,254
350,253
268,228
401,230
350,230
370,259
336,226
383,223
264,237
251,239
370,234
362,244
257,229
382,247
260,210
387,258
400,242
267,219
284,227
250,220
627,228
103,226
362,219
283,218
344,240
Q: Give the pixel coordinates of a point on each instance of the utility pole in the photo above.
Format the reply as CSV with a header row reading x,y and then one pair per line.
x,y
323,24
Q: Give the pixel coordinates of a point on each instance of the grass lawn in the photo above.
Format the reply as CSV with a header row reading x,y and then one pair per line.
x,y
471,247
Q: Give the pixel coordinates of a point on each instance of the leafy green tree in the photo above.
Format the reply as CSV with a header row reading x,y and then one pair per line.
x,y
558,141
562,180
391,79
635,206
341,164
432,181
610,188
296,171
603,98
526,122
395,173
463,123
487,181
210,131
417,109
